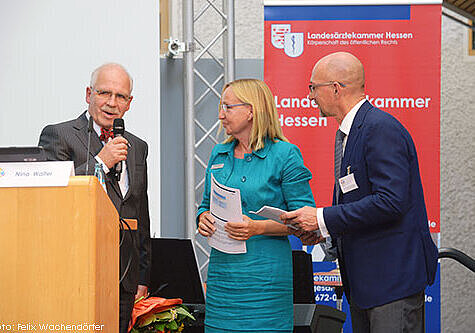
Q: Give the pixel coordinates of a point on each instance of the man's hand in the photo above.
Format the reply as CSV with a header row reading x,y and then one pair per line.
x,y
141,291
310,238
206,224
305,218
241,230
114,151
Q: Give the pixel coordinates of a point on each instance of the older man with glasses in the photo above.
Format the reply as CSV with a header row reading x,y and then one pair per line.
x,y
109,97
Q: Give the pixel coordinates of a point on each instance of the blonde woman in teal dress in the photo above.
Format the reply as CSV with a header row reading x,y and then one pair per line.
x,y
252,292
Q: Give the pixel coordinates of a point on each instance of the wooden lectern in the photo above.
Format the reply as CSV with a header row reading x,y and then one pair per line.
x,y
59,257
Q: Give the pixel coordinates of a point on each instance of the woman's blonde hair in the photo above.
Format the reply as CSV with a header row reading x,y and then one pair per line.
x,y
265,122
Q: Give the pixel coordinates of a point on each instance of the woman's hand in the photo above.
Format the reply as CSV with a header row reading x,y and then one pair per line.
x,y
311,238
241,230
206,224
307,237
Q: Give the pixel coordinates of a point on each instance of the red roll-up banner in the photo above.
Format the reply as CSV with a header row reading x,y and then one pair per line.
x,y
399,46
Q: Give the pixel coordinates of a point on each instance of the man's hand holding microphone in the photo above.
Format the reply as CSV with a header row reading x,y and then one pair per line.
x,y
114,151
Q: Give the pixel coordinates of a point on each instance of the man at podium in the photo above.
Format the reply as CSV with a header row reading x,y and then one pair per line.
x,y
123,159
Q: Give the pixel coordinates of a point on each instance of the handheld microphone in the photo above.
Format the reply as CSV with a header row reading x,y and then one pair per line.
x,y
118,128
89,131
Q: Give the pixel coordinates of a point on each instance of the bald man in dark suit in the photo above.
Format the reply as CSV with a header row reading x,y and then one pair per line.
x,y
109,97
378,221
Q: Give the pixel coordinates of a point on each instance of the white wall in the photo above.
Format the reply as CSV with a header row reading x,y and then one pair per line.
x,y
457,180
49,48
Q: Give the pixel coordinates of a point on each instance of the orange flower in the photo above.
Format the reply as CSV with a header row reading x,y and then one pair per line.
x,y
152,305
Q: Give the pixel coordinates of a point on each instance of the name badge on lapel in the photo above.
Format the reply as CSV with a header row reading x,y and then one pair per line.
x,y
348,183
217,166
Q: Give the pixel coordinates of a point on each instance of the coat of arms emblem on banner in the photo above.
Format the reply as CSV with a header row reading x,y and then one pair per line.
x,y
277,34
293,44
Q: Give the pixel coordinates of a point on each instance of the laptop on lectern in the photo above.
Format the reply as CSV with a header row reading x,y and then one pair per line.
x,y
22,154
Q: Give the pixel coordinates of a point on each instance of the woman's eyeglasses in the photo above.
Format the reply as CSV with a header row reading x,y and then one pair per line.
x,y
227,107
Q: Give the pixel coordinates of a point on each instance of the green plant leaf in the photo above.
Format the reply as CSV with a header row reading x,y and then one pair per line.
x,y
166,315
160,327
184,312
172,325
139,299
146,320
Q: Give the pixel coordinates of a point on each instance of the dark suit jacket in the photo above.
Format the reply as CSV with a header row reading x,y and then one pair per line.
x,y
67,141
384,245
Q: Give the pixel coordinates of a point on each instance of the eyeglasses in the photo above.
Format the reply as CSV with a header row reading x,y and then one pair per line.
x,y
312,87
227,107
121,99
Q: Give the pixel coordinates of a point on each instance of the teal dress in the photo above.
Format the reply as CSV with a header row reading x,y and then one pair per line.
x,y
252,292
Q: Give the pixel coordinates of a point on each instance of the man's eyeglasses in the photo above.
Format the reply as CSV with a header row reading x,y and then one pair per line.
x,y
312,87
227,107
121,99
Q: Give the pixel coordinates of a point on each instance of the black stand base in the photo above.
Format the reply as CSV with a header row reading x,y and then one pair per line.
x,y
308,318
313,318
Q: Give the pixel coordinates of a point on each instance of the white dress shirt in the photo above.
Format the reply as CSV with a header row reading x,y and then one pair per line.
x,y
345,127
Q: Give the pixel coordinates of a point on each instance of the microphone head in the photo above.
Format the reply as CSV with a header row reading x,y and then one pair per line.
x,y
118,128
90,125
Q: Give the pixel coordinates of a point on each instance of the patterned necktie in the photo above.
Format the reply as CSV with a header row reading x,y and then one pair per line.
x,y
106,134
330,247
338,155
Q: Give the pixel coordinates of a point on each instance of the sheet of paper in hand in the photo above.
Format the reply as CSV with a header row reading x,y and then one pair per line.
x,y
225,205
273,213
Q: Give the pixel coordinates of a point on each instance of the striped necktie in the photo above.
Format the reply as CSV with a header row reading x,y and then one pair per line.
x,y
338,156
330,247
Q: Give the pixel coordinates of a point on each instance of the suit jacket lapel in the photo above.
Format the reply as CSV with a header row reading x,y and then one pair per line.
x,y
130,165
354,135
80,125
351,143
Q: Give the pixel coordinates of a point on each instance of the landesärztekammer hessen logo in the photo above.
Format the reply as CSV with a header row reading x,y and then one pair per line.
x,y
283,38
